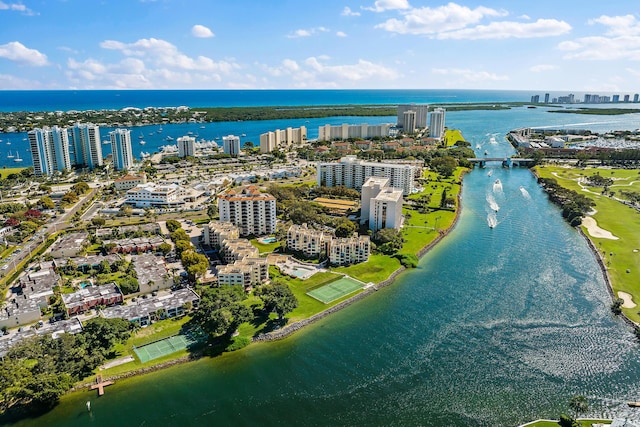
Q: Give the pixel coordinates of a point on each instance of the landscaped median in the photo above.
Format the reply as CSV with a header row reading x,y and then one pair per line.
x,y
619,250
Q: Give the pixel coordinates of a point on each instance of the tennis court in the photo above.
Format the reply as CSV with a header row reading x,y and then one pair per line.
x,y
164,347
335,290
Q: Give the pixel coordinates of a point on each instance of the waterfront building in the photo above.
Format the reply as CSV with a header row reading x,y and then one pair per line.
x,y
186,146
129,181
153,195
247,273
626,98
535,99
349,250
87,147
587,98
91,297
636,98
546,98
370,189
270,141
409,121
352,172
310,242
253,212
385,210
142,311
237,249
436,124
216,232
49,150
346,131
121,149
616,98
421,111
231,145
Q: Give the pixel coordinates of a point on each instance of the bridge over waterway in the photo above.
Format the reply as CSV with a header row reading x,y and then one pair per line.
x,y
507,162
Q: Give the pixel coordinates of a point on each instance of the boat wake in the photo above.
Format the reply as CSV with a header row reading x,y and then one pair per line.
x,y
525,193
492,220
497,186
492,203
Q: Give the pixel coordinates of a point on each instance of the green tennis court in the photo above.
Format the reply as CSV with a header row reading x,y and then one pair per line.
x,y
335,290
164,347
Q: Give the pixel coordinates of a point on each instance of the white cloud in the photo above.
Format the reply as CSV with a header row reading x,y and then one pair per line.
x,y
9,82
164,54
469,75
17,52
621,40
382,5
18,7
315,72
510,29
341,34
348,12
307,33
201,31
626,25
543,67
429,20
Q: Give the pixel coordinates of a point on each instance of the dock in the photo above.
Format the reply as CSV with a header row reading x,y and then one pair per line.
x,y
634,404
100,384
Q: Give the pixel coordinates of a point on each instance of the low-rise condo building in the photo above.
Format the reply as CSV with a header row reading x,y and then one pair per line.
x,y
216,232
247,272
237,249
309,242
154,195
129,181
349,250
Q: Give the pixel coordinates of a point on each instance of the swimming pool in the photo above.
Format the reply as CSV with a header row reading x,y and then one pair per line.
x,y
268,240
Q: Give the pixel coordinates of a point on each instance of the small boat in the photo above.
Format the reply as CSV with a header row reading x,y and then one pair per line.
x,y
8,142
142,142
490,173
634,404
159,129
202,127
106,142
88,405
498,182
140,136
189,133
169,138
244,134
486,153
17,159
10,156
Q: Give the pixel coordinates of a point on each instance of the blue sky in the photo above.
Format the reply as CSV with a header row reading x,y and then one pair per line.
x,y
559,45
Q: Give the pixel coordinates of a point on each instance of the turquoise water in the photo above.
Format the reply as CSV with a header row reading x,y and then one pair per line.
x,y
496,327
268,240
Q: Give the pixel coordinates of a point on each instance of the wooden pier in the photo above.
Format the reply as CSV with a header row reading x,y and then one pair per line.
x,y
100,384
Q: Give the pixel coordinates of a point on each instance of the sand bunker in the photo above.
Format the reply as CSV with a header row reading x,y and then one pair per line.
x,y
594,231
628,300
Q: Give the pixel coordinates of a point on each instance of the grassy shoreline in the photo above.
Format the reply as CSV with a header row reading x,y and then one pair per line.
x,y
421,233
619,258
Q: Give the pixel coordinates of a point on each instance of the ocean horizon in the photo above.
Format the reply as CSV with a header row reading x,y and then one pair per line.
x,y
65,100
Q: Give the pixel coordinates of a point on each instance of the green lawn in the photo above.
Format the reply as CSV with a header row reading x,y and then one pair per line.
x,y
622,221
4,172
451,136
154,332
583,423
265,247
376,270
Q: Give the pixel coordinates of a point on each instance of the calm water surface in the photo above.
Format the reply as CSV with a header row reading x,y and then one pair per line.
x,y
496,327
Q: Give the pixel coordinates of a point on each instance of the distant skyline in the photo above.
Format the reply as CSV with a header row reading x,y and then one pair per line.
x,y
566,45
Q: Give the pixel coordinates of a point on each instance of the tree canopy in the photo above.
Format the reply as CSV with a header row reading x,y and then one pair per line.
x,y
221,311
277,297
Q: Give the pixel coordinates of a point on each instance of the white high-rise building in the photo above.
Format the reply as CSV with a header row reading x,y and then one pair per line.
x,y
186,146
49,150
87,148
409,122
345,131
370,189
436,124
121,149
385,210
421,111
231,145
253,212
269,141
352,172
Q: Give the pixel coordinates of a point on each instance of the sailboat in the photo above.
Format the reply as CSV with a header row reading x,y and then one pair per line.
x,y
140,136
9,156
17,159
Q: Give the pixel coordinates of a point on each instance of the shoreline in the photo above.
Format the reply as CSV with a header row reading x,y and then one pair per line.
x,y
294,327
603,269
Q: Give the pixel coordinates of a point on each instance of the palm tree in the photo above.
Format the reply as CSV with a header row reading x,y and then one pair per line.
x,y
579,405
